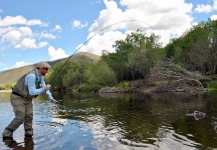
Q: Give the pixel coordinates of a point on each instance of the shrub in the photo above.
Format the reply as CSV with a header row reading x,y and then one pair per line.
x,y
124,84
7,86
211,85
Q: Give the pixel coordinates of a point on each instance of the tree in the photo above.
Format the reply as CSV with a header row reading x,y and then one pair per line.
x,y
69,74
134,55
54,76
75,73
100,74
197,48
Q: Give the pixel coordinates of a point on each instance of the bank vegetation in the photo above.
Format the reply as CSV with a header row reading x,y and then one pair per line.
x,y
141,64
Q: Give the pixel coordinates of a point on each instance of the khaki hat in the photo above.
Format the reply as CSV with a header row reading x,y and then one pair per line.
x,y
43,64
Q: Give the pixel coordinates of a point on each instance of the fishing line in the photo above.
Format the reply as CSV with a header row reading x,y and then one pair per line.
x,y
89,40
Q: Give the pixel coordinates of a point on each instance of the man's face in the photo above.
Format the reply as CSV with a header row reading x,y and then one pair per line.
x,y
43,71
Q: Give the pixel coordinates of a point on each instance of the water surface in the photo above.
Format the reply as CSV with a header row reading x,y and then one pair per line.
x,y
117,121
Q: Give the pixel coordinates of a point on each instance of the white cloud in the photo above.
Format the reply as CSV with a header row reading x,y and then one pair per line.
x,y
23,37
214,17
27,43
77,24
26,31
19,20
56,54
4,30
104,42
42,44
57,27
195,23
36,22
165,18
203,8
9,20
12,36
48,36
20,64
1,10
206,8
17,65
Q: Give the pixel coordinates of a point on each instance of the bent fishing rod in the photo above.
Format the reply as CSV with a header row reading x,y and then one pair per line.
x,y
88,41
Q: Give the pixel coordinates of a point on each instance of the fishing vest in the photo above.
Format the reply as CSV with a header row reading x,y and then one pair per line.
x,y
22,89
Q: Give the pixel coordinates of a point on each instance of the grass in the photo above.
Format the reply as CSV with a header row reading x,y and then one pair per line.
x,y
211,85
124,84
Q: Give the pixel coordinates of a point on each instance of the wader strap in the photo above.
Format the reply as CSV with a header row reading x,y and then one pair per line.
x,y
15,93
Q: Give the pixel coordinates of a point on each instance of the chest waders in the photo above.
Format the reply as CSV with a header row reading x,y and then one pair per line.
x,y
20,89
21,101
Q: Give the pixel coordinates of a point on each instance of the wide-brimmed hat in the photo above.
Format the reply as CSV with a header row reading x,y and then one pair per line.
x,y
43,64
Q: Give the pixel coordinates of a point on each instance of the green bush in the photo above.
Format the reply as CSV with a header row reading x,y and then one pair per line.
x,y
88,88
1,87
7,86
211,85
180,69
124,84
100,74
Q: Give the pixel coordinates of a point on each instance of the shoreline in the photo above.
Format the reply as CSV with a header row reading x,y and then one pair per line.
x,y
5,90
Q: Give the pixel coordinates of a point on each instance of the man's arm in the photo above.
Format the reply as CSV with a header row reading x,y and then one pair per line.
x,y
48,93
30,82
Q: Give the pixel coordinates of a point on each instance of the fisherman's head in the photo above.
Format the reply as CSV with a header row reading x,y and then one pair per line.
x,y
43,67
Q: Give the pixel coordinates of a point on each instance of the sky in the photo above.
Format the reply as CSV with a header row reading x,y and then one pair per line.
x,y
45,30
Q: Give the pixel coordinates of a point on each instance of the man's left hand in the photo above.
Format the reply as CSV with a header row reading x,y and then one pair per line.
x,y
55,101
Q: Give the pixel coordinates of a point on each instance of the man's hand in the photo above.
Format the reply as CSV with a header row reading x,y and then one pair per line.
x,y
46,87
55,101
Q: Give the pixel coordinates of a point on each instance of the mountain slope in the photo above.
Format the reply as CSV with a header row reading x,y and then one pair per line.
x,y
12,75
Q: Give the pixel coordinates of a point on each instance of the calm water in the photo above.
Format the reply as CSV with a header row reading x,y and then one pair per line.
x,y
118,122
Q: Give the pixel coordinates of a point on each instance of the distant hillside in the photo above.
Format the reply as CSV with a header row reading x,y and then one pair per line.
x,y
12,75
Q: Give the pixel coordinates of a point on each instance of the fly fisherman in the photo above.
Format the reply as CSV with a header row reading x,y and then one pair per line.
x,y
27,87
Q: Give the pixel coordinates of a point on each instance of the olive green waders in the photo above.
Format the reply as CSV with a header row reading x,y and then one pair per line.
x,y
23,110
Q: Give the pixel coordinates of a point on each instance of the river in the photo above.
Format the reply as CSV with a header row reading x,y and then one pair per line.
x,y
158,121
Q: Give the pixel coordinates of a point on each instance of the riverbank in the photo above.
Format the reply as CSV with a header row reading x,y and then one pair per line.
x,y
5,90
165,77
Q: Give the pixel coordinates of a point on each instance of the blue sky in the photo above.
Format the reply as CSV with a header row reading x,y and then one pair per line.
x,y
46,30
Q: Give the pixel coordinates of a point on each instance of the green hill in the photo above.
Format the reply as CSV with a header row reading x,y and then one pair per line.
x,y
12,75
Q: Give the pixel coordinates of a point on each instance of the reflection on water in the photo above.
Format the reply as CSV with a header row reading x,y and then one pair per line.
x,y
27,144
111,121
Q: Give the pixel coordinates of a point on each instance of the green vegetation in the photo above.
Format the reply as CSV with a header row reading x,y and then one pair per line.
x,y
195,50
136,55
7,86
211,85
124,84
12,75
133,59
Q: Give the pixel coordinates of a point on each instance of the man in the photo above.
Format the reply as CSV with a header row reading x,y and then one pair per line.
x,y
27,87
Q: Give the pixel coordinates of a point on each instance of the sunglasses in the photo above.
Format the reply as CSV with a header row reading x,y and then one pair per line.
x,y
46,69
